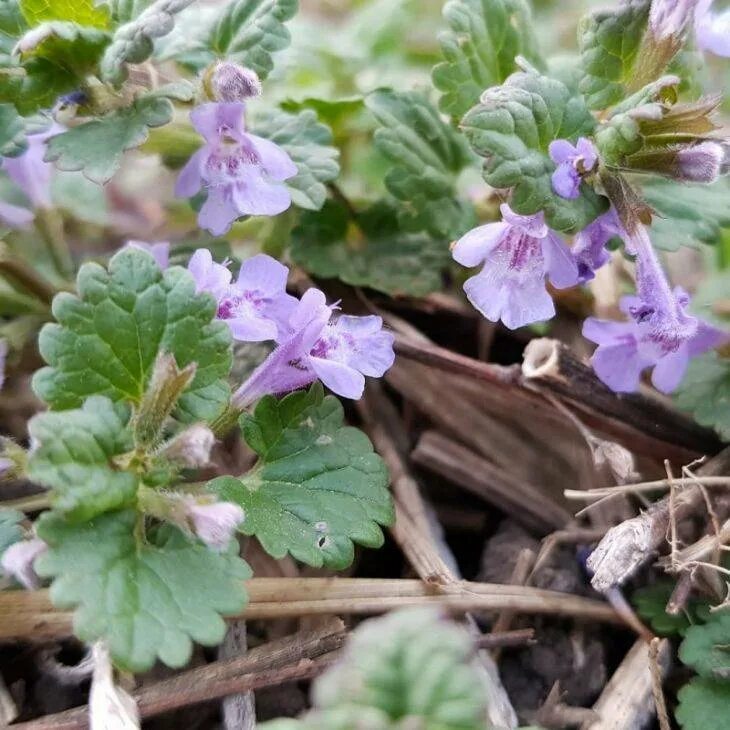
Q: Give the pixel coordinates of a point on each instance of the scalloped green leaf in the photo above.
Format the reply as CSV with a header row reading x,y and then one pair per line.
x,y
96,147
133,42
687,215
370,251
251,31
146,599
12,132
609,42
309,144
317,487
83,12
426,156
651,602
706,647
703,705
106,339
512,128
72,47
414,667
705,392
480,48
74,456
35,85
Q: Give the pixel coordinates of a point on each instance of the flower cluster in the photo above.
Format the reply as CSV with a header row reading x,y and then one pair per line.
x,y
313,340
520,252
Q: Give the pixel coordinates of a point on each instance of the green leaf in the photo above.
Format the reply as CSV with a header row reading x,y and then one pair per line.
x,y
147,599
35,85
122,11
309,144
251,31
317,487
703,705
10,529
687,215
75,458
609,45
712,298
480,49
705,392
512,128
107,338
427,155
97,147
371,252
414,667
651,602
74,48
81,198
133,42
706,647
12,132
83,12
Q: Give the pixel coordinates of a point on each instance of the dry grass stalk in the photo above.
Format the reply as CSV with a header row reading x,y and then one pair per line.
x,y
30,615
626,701
633,542
525,502
639,422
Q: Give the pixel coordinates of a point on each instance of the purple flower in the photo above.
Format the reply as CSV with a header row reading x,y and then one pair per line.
x,y
13,216
160,251
256,306
190,448
340,350
627,348
216,523
712,30
18,561
32,175
589,249
517,254
573,163
242,173
669,18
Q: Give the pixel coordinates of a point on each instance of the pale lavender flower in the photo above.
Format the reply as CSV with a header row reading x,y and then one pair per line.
x,y
232,82
573,162
712,30
517,253
701,163
18,561
32,175
215,523
256,306
242,173
159,251
340,350
589,249
13,216
669,18
625,349
7,466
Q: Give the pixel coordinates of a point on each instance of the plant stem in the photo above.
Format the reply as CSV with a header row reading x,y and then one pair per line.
x,y
18,272
50,225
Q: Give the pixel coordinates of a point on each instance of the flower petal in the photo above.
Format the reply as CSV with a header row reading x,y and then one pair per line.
x,y
255,195
339,378
670,370
263,274
560,150
560,265
274,159
218,212
189,181
474,247
566,181
618,366
214,119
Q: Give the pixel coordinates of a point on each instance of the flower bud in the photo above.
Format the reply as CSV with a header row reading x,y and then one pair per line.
x,y
191,448
231,82
216,523
669,18
18,561
700,163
